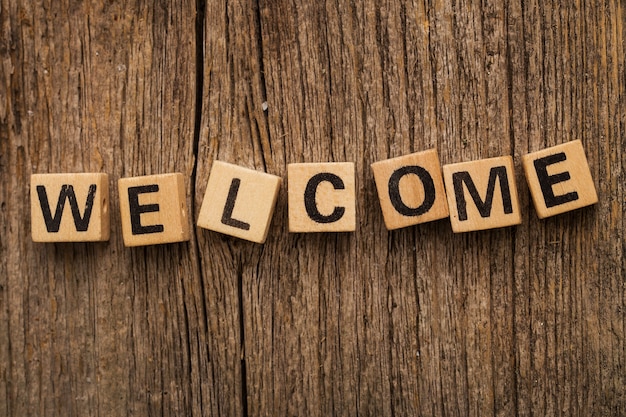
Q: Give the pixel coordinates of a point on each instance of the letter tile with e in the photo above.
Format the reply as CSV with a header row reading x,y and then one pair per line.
x,y
559,179
153,209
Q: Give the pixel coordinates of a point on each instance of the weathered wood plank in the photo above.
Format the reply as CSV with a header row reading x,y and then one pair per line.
x,y
96,328
527,320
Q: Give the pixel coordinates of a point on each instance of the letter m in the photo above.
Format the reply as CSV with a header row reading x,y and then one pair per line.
x,y
483,206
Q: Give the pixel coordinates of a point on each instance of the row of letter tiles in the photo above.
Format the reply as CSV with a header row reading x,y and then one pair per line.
x,y
321,196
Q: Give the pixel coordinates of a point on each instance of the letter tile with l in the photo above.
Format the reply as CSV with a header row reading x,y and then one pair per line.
x,y
239,202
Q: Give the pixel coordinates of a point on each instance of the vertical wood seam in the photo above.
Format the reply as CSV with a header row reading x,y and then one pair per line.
x,y
193,180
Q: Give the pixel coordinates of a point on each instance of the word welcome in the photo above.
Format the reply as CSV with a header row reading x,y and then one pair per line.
x,y
412,189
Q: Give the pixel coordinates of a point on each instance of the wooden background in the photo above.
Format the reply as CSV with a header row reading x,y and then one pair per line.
x,y
528,320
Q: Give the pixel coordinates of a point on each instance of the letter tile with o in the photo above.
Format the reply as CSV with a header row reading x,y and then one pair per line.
x,y
410,189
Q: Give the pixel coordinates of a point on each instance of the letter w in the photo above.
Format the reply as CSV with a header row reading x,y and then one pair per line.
x,y
67,192
484,207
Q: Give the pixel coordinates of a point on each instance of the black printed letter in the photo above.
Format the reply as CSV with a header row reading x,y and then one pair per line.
x,y
396,198
484,207
67,192
227,215
136,209
309,198
547,181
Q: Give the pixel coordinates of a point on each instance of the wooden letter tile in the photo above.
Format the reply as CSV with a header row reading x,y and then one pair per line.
x,y
410,189
69,207
153,209
321,197
559,179
239,202
482,194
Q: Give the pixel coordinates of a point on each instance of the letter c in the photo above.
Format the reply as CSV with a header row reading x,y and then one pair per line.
x,y
309,197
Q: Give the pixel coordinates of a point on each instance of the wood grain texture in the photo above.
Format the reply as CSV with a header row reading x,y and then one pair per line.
x,y
527,320
98,329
